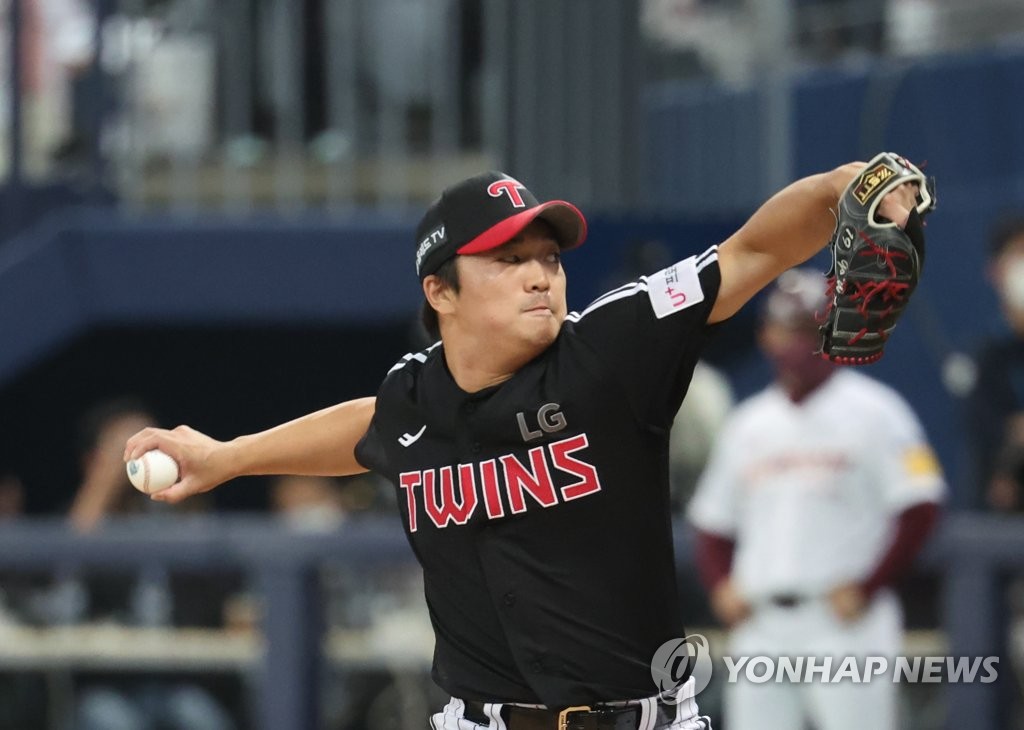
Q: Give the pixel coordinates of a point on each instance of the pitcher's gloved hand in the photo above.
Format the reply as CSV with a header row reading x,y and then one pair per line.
x,y
876,262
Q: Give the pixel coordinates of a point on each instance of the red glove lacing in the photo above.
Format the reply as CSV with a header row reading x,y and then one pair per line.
x,y
892,292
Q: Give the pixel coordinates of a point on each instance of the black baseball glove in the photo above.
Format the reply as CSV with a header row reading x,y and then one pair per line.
x,y
875,264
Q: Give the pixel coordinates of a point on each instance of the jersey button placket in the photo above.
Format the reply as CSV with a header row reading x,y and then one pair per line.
x,y
467,409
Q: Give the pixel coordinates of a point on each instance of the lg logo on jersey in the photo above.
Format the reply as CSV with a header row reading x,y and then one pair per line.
x,y
549,419
452,494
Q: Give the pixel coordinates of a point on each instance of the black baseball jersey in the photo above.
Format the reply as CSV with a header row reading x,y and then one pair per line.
x,y
539,507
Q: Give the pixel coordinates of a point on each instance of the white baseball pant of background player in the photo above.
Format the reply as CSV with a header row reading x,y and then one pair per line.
x,y
813,630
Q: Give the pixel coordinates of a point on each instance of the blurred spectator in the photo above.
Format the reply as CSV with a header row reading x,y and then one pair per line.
x,y
917,27
12,496
405,43
690,38
912,27
820,492
308,503
143,599
996,405
57,46
104,489
322,504
404,48
384,607
22,695
14,585
831,30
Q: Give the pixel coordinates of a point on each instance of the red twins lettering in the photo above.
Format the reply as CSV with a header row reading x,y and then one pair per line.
x,y
408,481
492,498
536,481
448,498
588,483
510,188
448,509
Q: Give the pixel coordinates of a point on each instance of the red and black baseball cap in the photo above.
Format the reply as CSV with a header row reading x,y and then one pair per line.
x,y
484,212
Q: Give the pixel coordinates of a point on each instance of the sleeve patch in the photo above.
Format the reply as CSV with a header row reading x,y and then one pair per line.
x,y
920,461
676,288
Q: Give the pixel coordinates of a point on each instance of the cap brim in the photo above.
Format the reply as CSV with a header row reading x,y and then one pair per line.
x,y
569,224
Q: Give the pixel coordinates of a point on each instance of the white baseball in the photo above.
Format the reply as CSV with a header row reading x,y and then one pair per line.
x,y
153,471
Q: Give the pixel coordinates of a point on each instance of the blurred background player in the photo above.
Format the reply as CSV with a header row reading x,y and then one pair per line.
x,y
700,419
996,405
820,492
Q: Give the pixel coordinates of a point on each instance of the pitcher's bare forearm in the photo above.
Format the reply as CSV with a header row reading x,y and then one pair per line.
x,y
321,443
788,229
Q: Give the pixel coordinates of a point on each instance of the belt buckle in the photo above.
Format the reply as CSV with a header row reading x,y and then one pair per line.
x,y
563,716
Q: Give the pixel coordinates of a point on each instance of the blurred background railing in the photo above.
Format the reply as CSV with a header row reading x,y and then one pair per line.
x,y
285,652
209,204
281,653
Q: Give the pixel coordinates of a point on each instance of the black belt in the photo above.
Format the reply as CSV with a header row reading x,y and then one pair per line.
x,y
626,717
787,600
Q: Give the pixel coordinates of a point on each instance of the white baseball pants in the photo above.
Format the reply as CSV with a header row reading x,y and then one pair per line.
x,y
812,630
